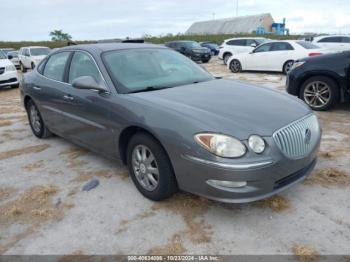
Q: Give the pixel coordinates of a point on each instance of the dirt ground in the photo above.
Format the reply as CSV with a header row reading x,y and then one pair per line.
x,y
43,209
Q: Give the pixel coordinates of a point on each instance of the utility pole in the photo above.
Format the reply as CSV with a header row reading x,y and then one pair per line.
x,y
237,7
213,16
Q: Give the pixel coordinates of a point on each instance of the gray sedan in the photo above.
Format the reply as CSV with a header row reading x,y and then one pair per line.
x,y
176,126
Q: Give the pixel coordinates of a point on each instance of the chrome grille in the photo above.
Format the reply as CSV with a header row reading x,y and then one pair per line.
x,y
299,138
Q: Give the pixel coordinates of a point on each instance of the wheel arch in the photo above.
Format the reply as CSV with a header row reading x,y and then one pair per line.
x,y
127,133
323,74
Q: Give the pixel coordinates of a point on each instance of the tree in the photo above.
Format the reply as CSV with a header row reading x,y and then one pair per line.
x,y
58,35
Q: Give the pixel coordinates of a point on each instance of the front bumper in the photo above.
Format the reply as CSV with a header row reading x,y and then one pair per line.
x,y
8,78
264,177
200,56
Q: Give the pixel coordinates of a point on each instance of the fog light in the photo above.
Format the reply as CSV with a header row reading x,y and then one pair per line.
x,y
230,184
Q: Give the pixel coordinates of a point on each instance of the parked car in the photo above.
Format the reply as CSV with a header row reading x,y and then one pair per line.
x,y
6,50
334,42
321,82
8,73
174,125
235,46
13,57
191,49
31,56
213,47
276,56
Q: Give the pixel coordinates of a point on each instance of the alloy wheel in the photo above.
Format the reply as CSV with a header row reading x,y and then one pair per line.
x,y
288,67
317,94
145,167
235,66
35,119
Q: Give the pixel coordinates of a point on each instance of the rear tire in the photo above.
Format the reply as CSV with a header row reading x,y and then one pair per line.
x,y
235,66
226,58
320,93
288,66
36,122
141,167
15,86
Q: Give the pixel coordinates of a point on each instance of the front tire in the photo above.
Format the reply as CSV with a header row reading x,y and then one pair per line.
x,y
15,86
320,93
226,58
36,122
288,66
235,66
150,168
32,66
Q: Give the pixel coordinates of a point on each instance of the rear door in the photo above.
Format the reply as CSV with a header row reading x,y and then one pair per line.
x,y
280,53
88,111
49,91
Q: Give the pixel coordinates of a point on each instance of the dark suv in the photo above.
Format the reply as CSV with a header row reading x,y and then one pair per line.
x,y
191,49
321,81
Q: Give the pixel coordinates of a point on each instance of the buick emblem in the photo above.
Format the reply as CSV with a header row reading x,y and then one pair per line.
x,y
307,138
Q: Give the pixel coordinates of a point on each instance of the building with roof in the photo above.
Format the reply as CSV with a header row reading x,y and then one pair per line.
x,y
234,25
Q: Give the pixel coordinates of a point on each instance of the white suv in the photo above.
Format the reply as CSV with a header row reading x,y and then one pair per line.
x,y
29,57
333,42
239,45
8,73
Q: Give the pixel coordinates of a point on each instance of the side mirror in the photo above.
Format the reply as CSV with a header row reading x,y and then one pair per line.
x,y
88,83
10,57
253,45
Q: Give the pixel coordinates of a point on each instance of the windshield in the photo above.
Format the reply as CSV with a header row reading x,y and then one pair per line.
x,y
211,45
193,45
13,53
307,45
140,69
39,51
2,55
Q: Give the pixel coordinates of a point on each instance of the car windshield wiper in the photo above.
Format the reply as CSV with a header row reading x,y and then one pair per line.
x,y
149,88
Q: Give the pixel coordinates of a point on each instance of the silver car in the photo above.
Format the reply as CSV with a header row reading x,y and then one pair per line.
x,y
173,124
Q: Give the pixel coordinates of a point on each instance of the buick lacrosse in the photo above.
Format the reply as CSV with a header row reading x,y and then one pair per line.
x,y
173,124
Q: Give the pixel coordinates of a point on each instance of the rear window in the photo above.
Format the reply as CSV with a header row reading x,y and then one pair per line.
x,y
307,45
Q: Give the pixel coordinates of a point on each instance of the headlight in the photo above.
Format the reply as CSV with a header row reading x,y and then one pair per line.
x,y
10,68
297,64
256,143
221,145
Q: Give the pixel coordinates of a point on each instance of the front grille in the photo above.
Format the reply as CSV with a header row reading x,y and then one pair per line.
x,y
299,138
11,80
2,70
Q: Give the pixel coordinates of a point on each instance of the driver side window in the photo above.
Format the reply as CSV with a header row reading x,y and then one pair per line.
x,y
83,65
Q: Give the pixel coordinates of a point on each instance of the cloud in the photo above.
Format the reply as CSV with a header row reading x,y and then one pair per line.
x,y
100,19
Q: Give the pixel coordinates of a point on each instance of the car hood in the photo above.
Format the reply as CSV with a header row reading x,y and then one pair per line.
x,y
5,62
230,107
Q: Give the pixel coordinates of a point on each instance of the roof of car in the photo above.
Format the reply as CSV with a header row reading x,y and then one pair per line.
x,y
103,47
34,47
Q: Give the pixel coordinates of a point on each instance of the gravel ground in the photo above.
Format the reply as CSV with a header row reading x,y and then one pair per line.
x,y
44,211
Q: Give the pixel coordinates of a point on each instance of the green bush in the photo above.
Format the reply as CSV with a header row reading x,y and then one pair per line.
x,y
152,39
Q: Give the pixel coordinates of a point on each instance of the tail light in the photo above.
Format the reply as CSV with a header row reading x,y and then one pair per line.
x,y
315,54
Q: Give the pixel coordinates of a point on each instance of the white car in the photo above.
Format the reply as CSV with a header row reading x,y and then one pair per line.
x,y
8,72
238,45
31,56
13,57
276,56
334,42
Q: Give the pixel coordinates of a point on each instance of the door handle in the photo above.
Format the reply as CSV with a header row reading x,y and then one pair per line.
x,y
36,88
68,97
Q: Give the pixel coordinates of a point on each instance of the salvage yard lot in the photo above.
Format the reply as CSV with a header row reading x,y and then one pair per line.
x,y
43,209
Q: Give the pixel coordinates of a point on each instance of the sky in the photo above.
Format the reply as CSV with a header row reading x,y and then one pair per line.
x,y
104,19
